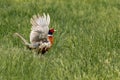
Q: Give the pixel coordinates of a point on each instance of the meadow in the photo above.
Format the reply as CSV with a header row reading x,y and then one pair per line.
x,y
86,46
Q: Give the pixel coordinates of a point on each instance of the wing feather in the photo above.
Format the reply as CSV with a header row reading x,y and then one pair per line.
x,y
40,24
48,19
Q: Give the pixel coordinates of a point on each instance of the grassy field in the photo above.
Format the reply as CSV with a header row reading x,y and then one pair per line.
x,y
86,47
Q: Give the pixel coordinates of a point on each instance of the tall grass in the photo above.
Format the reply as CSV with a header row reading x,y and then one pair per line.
x,y
86,47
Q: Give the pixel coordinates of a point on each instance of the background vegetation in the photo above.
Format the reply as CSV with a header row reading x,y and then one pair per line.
x,y
86,47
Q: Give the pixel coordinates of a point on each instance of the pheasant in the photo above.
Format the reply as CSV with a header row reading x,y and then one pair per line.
x,y
41,37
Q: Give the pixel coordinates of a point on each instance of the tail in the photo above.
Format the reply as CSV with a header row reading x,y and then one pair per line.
x,y
23,39
28,45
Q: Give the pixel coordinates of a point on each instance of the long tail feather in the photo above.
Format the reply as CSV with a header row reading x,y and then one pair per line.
x,y
23,39
28,45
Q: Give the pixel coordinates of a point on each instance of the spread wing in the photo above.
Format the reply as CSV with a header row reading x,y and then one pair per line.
x,y
40,24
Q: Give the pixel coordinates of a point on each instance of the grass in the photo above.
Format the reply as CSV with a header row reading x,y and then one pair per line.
x,y
86,47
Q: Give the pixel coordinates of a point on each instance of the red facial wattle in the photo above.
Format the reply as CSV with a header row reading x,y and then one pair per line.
x,y
51,31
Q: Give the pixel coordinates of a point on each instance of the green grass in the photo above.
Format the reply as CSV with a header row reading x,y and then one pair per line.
x,y
86,47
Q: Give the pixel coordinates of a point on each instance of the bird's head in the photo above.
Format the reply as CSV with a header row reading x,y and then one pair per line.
x,y
51,31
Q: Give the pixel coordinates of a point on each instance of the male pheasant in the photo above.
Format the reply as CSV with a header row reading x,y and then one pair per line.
x,y
41,37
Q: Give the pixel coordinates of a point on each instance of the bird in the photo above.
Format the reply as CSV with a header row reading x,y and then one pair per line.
x,y
41,36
